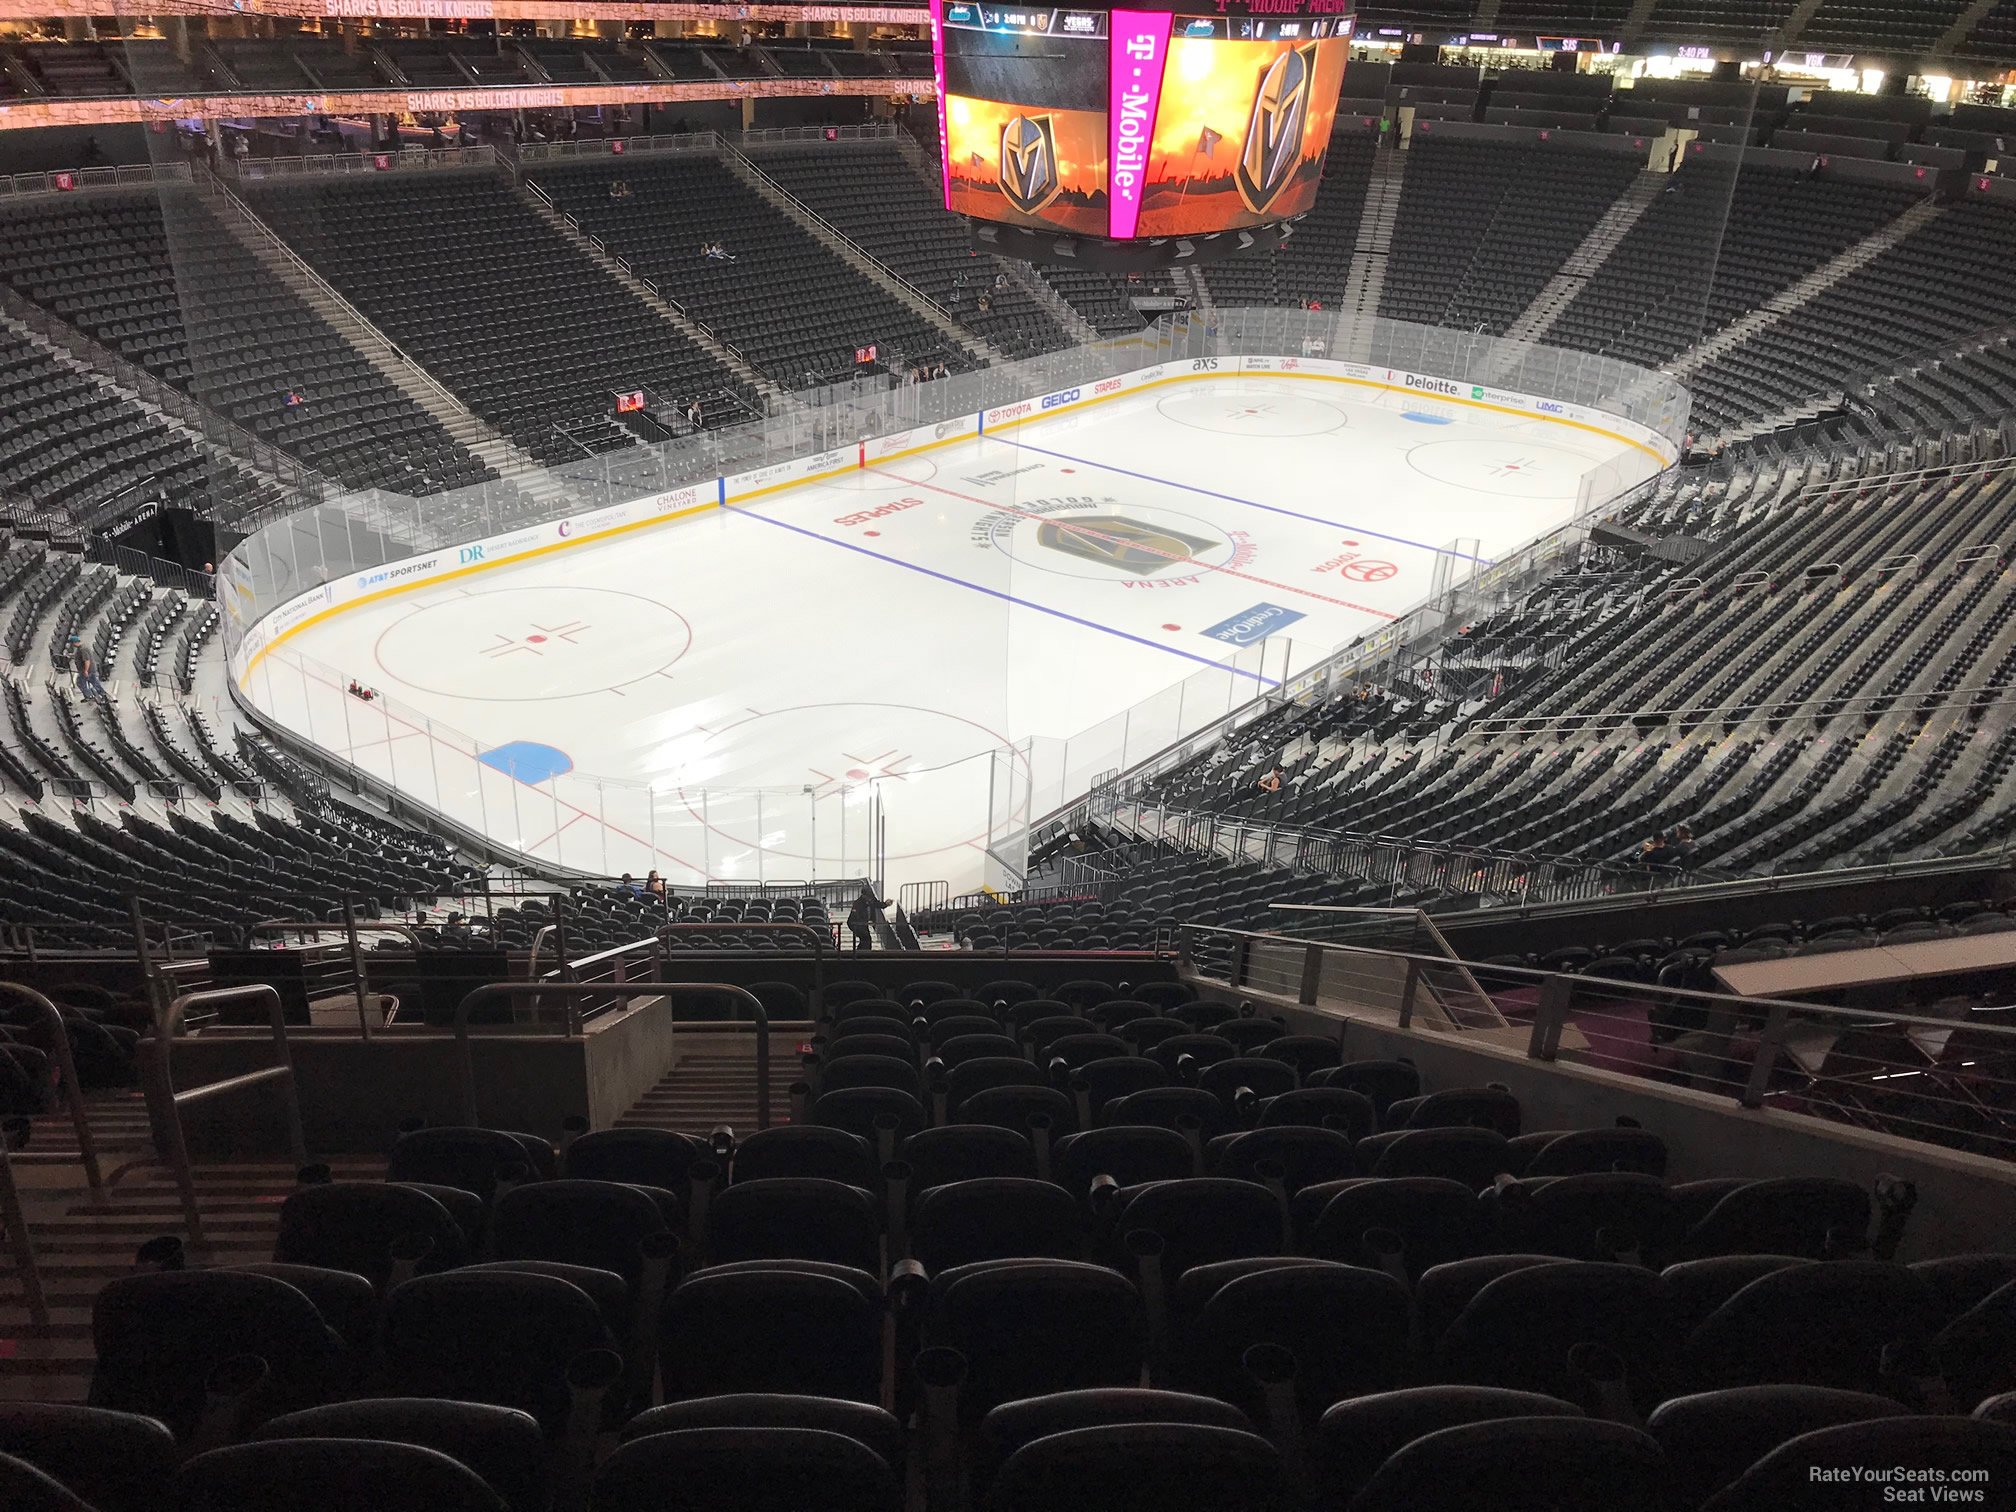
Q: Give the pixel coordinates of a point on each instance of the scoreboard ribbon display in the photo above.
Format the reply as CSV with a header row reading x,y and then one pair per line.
x,y
1210,115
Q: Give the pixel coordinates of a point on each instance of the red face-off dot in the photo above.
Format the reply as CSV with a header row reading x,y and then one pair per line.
x,y
1172,627
871,532
856,774
536,640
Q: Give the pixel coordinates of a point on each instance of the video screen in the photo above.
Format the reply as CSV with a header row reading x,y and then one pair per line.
x,y
1025,116
1126,124
1243,126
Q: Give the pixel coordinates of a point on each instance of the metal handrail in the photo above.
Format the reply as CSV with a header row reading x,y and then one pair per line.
x,y
165,1103
350,935
539,938
1622,988
818,936
618,954
330,926
573,992
1764,707
1238,829
14,1219
73,1092
1695,892
1557,990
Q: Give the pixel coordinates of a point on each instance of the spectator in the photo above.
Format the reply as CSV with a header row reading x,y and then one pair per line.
x,y
1680,847
292,399
87,671
1271,782
628,886
695,416
655,885
1653,852
861,917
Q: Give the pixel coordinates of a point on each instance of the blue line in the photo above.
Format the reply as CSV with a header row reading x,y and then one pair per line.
x,y
943,577
1249,503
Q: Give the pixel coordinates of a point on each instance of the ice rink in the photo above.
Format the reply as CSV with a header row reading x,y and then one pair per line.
x,y
944,645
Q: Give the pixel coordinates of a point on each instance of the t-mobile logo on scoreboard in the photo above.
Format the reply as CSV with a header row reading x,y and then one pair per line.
x,y
1139,47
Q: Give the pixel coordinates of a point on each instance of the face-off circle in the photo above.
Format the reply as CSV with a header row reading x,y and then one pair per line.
x,y
816,756
532,644
1507,467
1262,413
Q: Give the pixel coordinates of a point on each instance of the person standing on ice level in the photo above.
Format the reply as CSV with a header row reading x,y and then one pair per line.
x,y
861,917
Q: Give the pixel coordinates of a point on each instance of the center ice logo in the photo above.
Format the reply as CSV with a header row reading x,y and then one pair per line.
x,y
1089,537
1131,546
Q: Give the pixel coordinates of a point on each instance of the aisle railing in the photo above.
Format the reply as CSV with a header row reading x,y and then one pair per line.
x,y
1943,1080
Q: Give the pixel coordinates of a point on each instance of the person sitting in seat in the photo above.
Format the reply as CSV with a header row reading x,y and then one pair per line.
x,y
1271,782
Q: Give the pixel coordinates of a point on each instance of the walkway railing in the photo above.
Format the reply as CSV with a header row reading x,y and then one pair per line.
x,y
1945,1081
822,940
165,1103
1402,865
574,993
66,1068
14,1136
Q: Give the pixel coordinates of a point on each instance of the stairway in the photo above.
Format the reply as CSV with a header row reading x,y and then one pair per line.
x,y
619,269
1025,277
1586,260
857,257
1640,17
713,1082
1191,281
1795,23
1366,281
1962,28
1814,284
81,1242
70,348
469,429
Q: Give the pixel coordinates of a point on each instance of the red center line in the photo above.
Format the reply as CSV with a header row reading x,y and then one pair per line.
x,y
996,507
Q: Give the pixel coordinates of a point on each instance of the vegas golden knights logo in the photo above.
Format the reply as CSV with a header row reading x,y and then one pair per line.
x,y
1134,548
1029,163
1275,128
